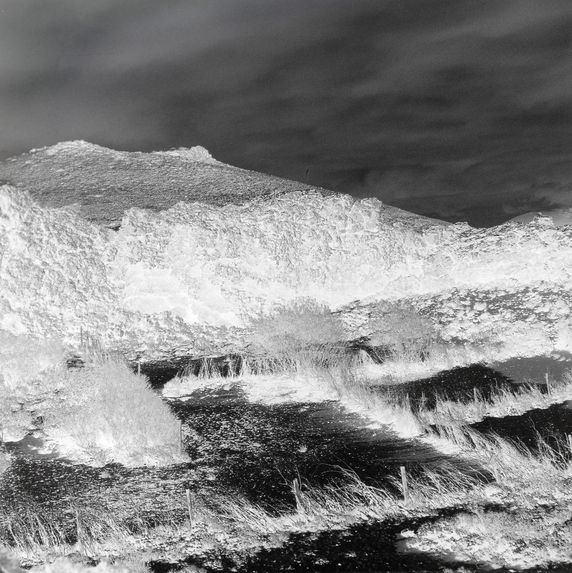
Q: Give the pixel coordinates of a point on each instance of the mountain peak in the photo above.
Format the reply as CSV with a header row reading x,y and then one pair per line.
x,y
106,182
72,146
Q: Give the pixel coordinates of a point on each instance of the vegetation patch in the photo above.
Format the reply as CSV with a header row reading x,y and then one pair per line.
x,y
516,539
105,413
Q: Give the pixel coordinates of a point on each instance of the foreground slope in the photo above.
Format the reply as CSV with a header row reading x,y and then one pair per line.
x,y
186,277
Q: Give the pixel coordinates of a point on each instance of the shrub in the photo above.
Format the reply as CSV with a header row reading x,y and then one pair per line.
x,y
111,414
402,332
294,326
300,334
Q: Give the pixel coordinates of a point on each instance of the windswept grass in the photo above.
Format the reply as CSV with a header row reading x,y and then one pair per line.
x,y
35,532
38,533
307,375
406,366
512,477
501,402
513,465
530,526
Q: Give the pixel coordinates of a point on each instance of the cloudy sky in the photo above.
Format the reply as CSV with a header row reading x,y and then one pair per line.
x,y
460,109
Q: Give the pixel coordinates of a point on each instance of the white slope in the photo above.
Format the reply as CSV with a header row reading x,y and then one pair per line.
x,y
186,278
558,216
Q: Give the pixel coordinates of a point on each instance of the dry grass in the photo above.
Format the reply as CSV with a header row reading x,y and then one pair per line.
x,y
534,528
105,412
514,467
523,480
408,365
36,533
299,324
501,402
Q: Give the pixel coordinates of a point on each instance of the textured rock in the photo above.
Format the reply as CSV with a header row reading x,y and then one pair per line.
x,y
188,277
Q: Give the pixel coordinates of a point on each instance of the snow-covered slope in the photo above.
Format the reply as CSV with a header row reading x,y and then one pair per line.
x,y
188,277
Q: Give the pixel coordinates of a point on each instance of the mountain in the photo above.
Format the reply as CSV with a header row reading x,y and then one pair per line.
x,y
104,183
200,248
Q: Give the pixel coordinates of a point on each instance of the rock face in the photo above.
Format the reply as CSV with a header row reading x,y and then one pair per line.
x,y
187,276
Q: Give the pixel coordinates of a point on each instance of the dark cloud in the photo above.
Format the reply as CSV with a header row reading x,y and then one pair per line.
x,y
454,108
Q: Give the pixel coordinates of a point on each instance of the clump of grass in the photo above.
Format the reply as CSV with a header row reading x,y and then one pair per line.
x,y
398,367
352,501
108,413
430,489
301,333
515,539
400,332
533,529
300,323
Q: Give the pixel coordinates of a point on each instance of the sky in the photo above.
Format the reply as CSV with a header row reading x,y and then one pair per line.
x,y
456,109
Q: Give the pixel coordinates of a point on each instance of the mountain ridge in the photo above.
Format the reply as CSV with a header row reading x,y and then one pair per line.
x,y
106,183
191,275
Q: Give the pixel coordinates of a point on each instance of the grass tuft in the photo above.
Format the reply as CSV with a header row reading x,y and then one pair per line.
x,y
105,412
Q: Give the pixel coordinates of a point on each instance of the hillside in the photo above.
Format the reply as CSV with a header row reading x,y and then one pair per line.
x,y
188,276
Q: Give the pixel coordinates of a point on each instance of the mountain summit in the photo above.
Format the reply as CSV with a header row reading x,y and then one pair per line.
x,y
105,182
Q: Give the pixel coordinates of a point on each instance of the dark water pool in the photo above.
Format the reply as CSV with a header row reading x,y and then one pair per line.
x,y
258,449
461,384
535,369
553,425
458,384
